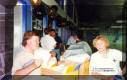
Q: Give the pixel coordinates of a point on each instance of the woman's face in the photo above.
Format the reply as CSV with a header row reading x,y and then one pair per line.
x,y
100,45
34,42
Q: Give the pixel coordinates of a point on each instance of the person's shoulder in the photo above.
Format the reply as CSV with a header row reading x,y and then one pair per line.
x,y
48,37
115,51
20,55
117,54
42,37
95,54
45,36
82,42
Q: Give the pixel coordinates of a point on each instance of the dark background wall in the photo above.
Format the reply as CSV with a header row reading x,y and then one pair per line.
x,y
2,33
6,32
9,38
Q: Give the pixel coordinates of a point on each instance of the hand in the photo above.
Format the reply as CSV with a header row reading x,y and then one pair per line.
x,y
53,54
38,62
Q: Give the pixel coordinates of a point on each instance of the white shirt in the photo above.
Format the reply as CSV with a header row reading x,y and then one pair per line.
x,y
71,40
48,42
108,64
22,60
44,55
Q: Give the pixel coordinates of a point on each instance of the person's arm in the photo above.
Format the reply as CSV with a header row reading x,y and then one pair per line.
x,y
53,53
21,73
26,70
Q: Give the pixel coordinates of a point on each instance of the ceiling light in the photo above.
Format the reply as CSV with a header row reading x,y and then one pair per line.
x,y
116,26
35,2
120,21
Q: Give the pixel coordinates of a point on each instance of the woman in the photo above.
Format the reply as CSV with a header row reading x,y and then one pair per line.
x,y
105,61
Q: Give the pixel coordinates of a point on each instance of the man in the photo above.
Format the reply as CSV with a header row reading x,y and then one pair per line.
x,y
58,43
24,62
47,41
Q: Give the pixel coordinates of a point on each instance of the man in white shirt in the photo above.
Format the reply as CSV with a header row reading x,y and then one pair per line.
x,y
47,41
24,62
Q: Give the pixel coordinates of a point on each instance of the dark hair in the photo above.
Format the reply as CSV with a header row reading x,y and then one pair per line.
x,y
52,30
46,30
28,35
54,7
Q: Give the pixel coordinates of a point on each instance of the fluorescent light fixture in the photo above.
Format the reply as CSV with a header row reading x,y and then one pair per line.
x,y
120,21
83,28
116,26
35,2
19,3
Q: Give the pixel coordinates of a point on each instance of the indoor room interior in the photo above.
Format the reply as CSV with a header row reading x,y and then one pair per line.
x,y
83,19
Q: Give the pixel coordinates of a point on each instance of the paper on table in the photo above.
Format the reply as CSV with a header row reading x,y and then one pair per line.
x,y
60,68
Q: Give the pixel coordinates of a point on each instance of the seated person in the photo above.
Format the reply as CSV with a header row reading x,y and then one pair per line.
x,y
80,44
58,47
105,61
47,41
24,62
58,43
